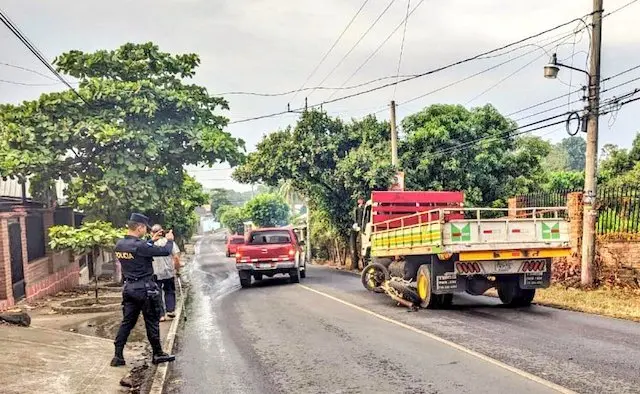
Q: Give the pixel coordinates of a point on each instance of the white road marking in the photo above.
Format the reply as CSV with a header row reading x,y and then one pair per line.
x,y
454,345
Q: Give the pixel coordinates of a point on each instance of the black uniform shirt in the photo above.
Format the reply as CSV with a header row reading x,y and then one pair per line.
x,y
136,256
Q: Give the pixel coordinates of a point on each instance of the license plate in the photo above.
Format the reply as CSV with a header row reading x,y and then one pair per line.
x,y
503,266
264,265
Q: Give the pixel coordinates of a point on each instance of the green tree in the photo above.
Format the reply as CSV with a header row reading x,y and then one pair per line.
x,y
576,149
268,210
619,165
449,147
178,210
221,210
564,180
328,162
233,219
219,198
124,141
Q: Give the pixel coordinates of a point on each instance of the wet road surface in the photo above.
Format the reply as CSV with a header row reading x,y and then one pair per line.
x,y
329,335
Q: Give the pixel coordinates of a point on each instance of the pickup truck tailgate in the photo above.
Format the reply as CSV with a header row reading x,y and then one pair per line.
x,y
269,252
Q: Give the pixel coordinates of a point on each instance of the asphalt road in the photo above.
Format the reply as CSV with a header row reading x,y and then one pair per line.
x,y
329,335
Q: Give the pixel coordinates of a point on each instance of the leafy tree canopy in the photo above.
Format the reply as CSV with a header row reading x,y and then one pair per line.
x,y
327,161
268,210
233,219
619,166
122,146
448,147
219,198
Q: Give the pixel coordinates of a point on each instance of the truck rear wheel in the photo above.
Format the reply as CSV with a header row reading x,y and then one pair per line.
x,y
428,300
373,276
512,295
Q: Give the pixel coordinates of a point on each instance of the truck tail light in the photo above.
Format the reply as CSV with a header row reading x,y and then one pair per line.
x,y
292,252
468,268
534,266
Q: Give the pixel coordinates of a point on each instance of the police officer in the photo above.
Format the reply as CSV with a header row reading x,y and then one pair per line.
x,y
140,292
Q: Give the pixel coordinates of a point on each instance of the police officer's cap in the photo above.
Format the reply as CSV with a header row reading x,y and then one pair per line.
x,y
139,218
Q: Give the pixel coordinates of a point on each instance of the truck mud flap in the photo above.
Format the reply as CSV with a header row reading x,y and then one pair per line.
x,y
536,280
444,278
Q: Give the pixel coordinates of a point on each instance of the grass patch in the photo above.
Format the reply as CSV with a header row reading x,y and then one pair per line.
x,y
611,302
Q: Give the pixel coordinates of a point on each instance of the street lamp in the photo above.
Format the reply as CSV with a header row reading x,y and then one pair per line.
x,y
551,70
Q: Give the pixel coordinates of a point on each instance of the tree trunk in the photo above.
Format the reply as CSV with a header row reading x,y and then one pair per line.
x,y
95,271
338,255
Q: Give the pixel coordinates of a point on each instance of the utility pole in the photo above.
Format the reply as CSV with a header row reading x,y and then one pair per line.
x,y
394,136
591,163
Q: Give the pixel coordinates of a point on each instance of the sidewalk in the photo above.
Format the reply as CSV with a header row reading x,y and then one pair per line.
x,y
40,360
49,358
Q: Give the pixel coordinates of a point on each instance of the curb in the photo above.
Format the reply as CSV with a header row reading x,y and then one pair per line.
x,y
160,375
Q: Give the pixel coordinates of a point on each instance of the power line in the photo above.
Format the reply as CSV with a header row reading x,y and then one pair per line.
x,y
315,69
16,31
28,70
507,133
375,22
342,87
378,48
621,73
404,33
571,102
620,8
243,93
495,66
426,73
490,88
27,83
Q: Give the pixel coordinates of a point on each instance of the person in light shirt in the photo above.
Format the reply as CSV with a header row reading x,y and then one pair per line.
x,y
166,268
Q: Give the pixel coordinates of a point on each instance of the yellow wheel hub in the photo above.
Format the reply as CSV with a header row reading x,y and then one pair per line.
x,y
422,287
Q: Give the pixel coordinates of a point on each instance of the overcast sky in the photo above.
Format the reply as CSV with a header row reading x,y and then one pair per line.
x,y
273,45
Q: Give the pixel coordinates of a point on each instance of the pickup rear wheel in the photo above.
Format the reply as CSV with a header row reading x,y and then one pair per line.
x,y
294,275
373,276
245,279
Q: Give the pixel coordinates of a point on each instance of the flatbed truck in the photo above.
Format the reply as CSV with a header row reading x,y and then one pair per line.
x,y
446,248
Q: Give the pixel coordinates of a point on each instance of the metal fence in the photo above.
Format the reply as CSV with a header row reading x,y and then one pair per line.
x,y
556,198
618,208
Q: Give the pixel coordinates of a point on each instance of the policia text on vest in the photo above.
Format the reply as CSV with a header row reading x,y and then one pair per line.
x,y
140,293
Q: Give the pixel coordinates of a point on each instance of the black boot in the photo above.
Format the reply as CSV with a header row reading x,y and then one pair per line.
x,y
162,357
118,359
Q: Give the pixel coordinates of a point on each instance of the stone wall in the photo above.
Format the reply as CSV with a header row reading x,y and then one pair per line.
x,y
619,263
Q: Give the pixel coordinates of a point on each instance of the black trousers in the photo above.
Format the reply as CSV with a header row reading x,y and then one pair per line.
x,y
169,288
140,297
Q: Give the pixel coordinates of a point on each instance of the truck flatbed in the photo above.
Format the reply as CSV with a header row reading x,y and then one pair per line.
x,y
481,234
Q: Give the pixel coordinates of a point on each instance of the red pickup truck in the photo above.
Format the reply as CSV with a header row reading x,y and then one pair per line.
x,y
270,251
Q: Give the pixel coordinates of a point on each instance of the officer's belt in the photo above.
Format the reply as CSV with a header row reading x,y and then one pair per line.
x,y
146,278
